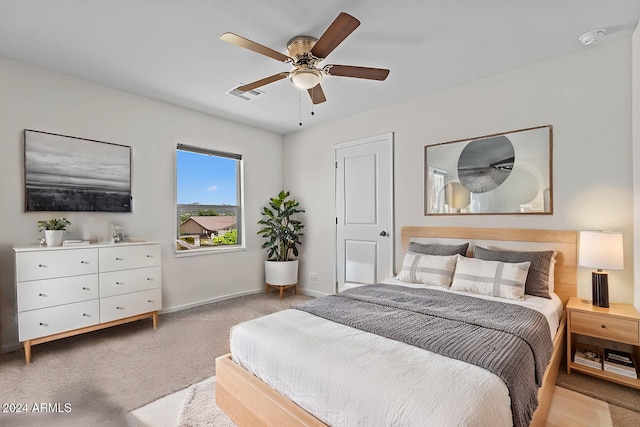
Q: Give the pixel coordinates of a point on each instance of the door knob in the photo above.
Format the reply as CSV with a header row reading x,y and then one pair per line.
x,y
383,233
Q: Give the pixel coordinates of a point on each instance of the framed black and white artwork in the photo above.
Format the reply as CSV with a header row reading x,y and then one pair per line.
x,y
502,173
66,173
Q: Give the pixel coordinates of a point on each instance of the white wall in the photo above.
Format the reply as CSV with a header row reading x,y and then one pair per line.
x,y
34,98
635,110
585,96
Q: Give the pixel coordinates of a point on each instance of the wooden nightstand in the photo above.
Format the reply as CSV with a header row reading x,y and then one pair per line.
x,y
608,328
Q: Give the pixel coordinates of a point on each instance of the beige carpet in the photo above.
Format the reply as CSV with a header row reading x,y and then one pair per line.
x,y
103,375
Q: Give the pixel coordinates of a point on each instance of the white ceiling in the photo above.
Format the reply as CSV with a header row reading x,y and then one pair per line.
x,y
170,49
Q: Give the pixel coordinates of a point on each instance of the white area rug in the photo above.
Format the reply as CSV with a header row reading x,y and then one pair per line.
x,y
194,406
199,407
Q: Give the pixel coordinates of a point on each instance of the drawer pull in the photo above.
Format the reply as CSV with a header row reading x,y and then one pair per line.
x,y
603,326
149,256
150,300
118,259
149,278
119,308
42,295
119,283
42,266
84,288
42,324
84,262
85,315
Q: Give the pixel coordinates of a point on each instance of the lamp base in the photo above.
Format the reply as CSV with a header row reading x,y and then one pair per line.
x,y
600,289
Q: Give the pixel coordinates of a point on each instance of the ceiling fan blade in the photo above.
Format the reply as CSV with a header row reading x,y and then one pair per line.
x,y
251,45
357,72
317,94
339,29
262,82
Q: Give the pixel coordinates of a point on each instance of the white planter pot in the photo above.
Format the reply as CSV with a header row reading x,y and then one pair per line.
x,y
281,272
53,237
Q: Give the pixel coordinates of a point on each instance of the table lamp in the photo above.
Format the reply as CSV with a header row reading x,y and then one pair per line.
x,y
601,250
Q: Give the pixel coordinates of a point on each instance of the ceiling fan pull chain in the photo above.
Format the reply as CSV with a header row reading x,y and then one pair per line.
x,y
312,104
300,107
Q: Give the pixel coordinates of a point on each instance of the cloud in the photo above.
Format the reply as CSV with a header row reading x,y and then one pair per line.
x,y
212,188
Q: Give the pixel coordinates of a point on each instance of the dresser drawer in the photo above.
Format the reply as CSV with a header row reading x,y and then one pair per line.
x,y
121,306
48,321
51,292
127,281
126,257
606,327
49,264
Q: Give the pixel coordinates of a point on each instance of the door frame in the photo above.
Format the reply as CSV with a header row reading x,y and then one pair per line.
x,y
391,207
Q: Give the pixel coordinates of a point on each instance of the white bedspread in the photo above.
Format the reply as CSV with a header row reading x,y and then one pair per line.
x,y
348,377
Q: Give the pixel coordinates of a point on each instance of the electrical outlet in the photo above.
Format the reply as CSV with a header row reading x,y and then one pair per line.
x,y
313,277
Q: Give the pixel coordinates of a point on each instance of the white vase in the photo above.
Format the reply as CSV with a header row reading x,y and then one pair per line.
x,y
53,237
281,272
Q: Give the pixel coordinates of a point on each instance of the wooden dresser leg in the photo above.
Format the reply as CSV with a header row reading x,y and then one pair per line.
x,y
155,320
281,290
27,350
267,288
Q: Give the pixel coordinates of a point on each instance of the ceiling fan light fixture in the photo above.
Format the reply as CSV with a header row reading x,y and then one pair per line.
x,y
305,78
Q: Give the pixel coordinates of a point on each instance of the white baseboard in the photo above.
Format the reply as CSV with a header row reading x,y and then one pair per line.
x,y
208,301
230,296
10,347
311,293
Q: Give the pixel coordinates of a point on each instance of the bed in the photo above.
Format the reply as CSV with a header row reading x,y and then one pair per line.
x,y
393,381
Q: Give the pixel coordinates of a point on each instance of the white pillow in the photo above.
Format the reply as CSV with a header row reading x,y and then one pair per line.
x,y
428,269
495,278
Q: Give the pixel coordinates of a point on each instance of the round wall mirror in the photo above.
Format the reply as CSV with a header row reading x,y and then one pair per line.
x,y
486,163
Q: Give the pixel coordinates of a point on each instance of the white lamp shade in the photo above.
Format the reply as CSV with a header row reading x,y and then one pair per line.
x,y
601,250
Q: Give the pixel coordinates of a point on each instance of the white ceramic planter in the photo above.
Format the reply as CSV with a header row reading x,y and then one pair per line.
x,y
281,272
53,237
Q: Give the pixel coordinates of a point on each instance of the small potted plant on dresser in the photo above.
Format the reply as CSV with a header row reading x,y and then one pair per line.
x,y
281,230
53,230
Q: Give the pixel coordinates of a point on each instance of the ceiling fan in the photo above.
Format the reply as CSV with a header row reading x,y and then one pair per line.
x,y
306,53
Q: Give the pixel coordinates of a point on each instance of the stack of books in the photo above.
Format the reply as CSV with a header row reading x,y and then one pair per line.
x,y
619,362
588,357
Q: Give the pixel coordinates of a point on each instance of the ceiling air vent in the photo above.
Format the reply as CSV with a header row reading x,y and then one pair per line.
x,y
247,96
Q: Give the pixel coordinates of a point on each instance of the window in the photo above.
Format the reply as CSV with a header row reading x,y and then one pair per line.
x,y
209,208
436,192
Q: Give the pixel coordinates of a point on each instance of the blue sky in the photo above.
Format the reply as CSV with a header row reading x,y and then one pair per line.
x,y
208,180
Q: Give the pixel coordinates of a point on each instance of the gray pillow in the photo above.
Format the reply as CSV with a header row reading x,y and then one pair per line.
x,y
436,249
537,283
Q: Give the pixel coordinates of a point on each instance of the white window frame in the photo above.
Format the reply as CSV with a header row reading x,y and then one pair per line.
x,y
240,223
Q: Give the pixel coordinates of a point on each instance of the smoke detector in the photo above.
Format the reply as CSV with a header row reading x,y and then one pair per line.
x,y
592,36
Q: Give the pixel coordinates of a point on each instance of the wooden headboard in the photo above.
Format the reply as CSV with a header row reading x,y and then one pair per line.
x,y
563,241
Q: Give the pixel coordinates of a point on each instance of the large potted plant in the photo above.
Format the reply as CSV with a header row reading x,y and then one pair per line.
x,y
281,230
53,230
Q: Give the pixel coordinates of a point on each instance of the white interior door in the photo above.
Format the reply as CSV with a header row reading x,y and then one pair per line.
x,y
364,211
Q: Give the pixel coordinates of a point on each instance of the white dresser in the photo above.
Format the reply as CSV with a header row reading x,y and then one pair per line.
x,y
68,290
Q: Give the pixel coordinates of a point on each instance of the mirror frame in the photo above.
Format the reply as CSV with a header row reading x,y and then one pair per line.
x,y
544,158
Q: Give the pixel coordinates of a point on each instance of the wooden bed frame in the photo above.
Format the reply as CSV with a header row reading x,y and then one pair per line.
x,y
248,401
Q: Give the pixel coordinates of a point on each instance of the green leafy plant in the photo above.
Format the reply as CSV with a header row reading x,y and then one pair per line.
x,y
53,224
228,238
280,227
